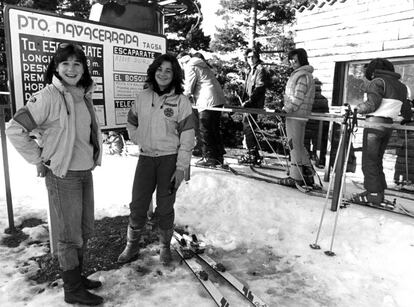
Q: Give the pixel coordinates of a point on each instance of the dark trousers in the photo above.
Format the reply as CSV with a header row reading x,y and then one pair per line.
x,y
212,142
151,173
199,144
248,130
374,143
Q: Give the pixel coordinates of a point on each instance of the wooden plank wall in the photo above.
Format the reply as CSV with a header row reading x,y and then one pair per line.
x,y
348,30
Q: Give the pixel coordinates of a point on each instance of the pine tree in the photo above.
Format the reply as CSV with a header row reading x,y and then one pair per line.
x,y
262,23
77,8
184,32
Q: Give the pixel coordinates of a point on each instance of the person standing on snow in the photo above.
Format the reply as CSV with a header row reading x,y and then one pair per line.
x,y
298,101
386,100
161,122
201,83
253,97
63,117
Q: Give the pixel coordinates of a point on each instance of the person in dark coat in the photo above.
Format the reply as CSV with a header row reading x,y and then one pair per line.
x,y
386,100
253,97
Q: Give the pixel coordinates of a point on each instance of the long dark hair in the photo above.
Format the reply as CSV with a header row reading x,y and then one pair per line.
x,y
302,56
64,52
177,81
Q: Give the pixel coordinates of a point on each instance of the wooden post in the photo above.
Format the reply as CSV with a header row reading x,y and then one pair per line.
x,y
11,228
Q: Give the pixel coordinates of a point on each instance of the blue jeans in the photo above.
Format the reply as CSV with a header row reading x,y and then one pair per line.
x,y
72,200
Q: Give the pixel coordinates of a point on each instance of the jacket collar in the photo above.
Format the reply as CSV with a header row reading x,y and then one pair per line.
x,y
61,87
379,73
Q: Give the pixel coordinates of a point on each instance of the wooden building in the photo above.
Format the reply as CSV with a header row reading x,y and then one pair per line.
x,y
341,36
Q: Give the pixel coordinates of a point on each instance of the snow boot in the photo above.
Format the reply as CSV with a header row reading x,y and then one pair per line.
x,y
368,197
165,240
252,157
308,174
132,247
88,283
288,181
75,291
207,162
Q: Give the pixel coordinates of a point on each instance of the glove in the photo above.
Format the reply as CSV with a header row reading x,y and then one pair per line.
x,y
41,169
176,180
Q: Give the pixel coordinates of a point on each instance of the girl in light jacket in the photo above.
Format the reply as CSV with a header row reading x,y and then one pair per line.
x,y
63,117
161,122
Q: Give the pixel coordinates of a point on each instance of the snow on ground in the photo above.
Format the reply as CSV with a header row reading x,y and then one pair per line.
x,y
260,231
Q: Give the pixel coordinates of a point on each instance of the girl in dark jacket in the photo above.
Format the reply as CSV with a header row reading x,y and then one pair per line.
x,y
386,100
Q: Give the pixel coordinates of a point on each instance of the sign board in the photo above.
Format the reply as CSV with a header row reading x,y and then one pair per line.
x,y
118,58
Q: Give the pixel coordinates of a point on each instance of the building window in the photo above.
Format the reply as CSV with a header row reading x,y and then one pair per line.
x,y
356,83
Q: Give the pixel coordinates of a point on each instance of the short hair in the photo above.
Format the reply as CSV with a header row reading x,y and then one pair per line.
x,y
301,54
64,52
378,63
177,81
255,53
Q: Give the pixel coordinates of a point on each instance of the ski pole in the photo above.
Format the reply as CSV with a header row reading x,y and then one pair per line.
x,y
265,138
406,155
249,116
283,132
330,252
315,245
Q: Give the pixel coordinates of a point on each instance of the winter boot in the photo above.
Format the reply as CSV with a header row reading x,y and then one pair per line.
x,y
368,197
132,247
252,157
308,174
88,283
165,240
207,162
75,291
288,181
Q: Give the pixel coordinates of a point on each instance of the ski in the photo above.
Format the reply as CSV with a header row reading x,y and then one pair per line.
x,y
223,167
197,247
274,167
187,256
314,190
402,193
386,205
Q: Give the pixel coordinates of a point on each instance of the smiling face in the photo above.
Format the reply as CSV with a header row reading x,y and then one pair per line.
x,y
164,75
70,70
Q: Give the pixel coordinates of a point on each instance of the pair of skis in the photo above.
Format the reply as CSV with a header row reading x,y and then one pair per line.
x,y
264,178
191,251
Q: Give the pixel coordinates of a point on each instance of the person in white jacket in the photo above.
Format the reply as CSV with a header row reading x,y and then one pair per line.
x,y
68,149
161,122
201,84
298,101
